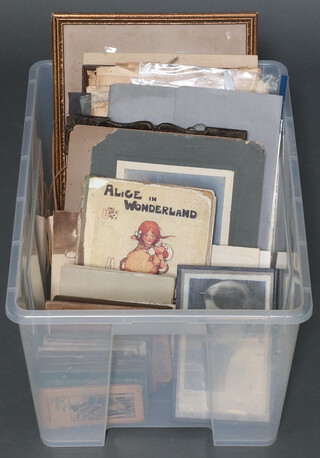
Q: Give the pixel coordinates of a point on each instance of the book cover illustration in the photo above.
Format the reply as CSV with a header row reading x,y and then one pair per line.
x,y
145,227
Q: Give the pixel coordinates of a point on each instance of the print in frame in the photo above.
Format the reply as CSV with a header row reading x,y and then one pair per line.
x,y
73,34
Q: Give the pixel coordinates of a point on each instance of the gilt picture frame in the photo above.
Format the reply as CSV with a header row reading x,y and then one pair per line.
x,y
74,34
230,288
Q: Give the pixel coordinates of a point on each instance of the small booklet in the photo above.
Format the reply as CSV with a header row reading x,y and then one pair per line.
x,y
145,227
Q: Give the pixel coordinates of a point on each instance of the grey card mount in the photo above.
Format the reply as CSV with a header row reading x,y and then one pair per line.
x,y
257,113
245,159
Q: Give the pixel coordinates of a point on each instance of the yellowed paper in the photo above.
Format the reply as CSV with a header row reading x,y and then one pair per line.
x,y
201,60
94,283
64,242
235,256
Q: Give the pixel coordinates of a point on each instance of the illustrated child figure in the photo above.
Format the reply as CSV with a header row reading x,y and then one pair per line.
x,y
151,254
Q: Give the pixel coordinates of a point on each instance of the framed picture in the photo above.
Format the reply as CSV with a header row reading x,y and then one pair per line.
x,y
208,288
219,181
76,34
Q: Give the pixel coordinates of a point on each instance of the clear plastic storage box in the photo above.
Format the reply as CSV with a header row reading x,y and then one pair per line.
x,y
92,370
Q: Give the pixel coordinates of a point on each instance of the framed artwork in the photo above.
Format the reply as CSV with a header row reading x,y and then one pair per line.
x,y
236,387
231,288
76,34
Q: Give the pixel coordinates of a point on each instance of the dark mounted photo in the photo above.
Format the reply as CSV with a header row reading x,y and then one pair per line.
x,y
201,287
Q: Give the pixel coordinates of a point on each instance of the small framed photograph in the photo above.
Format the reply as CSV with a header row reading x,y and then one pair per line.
x,y
209,288
77,34
237,385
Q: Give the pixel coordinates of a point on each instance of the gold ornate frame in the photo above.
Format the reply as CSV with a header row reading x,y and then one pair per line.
x,y
246,22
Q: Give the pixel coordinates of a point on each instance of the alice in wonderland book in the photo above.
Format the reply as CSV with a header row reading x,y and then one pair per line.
x,y
145,227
